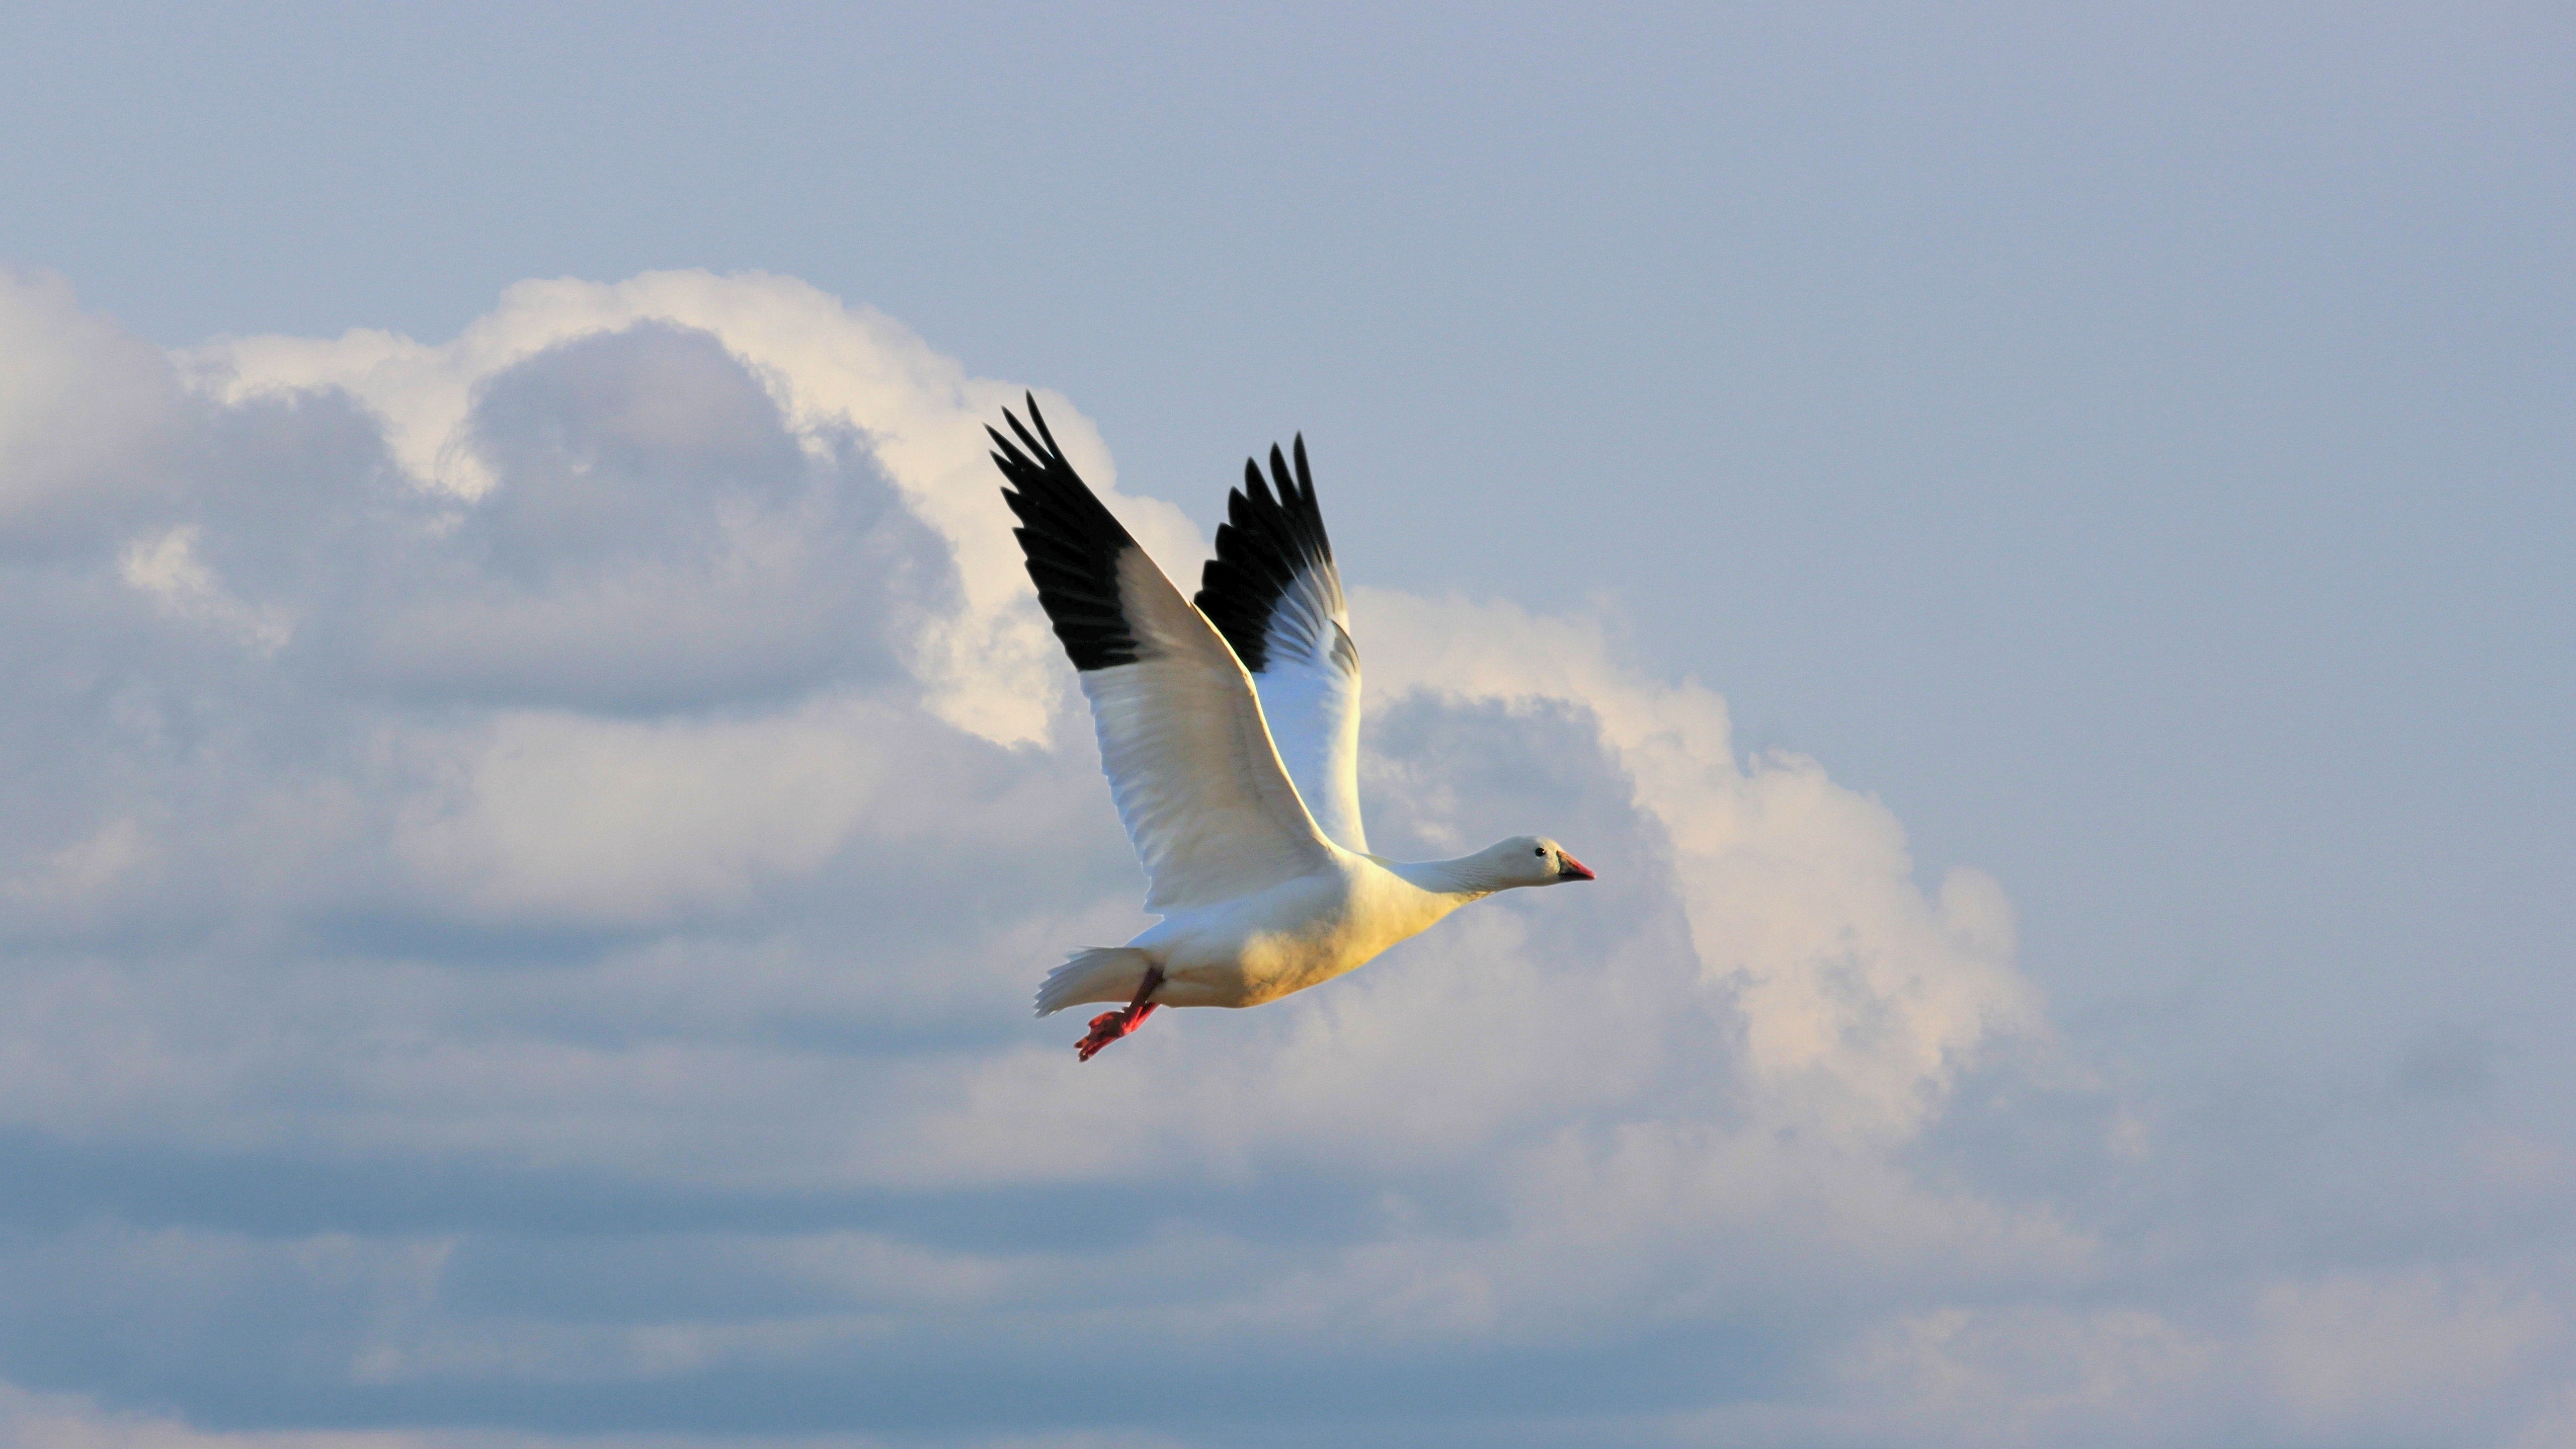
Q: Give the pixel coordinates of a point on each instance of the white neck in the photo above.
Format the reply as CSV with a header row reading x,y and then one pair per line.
x,y
1463,879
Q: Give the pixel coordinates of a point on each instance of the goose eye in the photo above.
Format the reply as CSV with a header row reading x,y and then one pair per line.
x,y
1542,850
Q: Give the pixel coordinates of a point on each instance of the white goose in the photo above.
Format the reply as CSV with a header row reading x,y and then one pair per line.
x,y
1248,823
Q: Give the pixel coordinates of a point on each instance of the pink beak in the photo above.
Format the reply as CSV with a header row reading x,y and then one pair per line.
x,y
1573,869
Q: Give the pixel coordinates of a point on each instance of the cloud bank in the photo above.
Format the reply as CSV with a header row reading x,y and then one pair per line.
x,y
528,862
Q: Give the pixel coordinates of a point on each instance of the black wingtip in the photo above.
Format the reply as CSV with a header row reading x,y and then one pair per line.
x,y
1021,430
1039,418
1069,539
1272,531
1006,455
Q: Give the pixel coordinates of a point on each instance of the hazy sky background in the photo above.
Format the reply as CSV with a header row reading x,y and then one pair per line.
x,y
2135,450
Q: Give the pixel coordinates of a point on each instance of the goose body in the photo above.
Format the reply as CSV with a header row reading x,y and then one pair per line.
x,y
1299,933
1229,730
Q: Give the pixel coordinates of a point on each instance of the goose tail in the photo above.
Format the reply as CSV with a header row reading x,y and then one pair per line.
x,y
1097,973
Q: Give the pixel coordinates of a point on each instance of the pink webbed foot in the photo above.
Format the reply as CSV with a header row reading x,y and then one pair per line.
x,y
1108,1026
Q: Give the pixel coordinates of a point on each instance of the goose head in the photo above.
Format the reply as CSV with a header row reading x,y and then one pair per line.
x,y
1529,860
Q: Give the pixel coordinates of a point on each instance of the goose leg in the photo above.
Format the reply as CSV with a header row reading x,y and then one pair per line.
x,y
1108,1026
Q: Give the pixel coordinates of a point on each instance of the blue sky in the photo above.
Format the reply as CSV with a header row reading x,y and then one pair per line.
x,y
2031,547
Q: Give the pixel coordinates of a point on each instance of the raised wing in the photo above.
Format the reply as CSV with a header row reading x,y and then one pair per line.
x,y
1274,593
1189,758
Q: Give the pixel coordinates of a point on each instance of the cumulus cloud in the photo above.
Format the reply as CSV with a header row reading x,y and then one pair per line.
x,y
530,857
89,418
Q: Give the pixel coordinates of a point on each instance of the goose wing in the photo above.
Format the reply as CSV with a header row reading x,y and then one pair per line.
x,y
1190,762
1274,593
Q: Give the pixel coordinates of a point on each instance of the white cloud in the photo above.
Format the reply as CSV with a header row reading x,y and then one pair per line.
x,y
561,817
2423,1350
1859,996
2043,1375
531,857
168,569
32,1420
828,367
86,414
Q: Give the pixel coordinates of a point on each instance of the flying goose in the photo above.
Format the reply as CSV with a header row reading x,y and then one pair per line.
x,y
1244,806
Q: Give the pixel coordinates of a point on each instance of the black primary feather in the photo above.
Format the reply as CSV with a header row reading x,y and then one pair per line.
x,y
1266,540
1072,542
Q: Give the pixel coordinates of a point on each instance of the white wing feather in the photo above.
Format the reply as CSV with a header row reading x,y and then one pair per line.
x,y
1274,593
1310,691
1191,765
